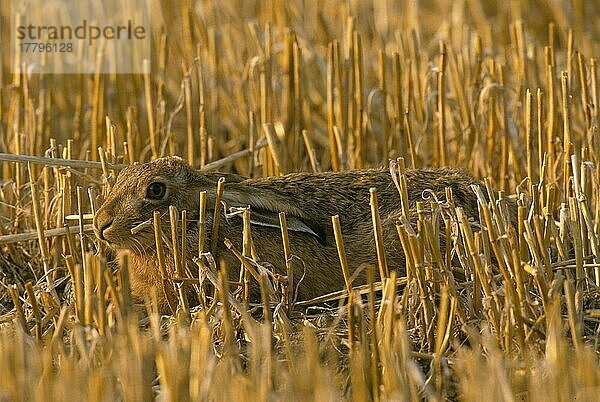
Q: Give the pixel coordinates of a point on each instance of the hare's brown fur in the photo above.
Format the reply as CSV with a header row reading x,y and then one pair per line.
x,y
308,199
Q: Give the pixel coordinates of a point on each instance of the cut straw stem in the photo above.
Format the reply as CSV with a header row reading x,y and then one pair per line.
x,y
567,142
88,289
180,254
339,242
574,317
274,147
479,269
189,119
442,106
14,294
84,164
39,226
27,236
125,283
529,137
358,98
201,223
160,255
378,231
244,260
314,164
35,308
374,336
99,269
333,146
150,108
217,216
288,260
246,252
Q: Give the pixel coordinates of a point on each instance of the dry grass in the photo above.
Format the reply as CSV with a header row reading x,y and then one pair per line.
x,y
508,91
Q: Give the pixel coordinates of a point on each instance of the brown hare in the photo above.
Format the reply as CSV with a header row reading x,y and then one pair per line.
x,y
308,200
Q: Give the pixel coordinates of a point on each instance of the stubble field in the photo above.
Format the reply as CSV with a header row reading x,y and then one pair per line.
x,y
508,91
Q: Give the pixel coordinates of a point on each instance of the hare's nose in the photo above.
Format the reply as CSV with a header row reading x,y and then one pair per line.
x,y
104,228
101,229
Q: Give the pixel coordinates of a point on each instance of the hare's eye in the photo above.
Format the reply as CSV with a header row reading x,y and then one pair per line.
x,y
156,190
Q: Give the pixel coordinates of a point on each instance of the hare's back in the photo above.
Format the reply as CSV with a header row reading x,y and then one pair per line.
x,y
329,193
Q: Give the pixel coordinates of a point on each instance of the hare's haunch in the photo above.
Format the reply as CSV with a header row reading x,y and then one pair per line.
x,y
308,200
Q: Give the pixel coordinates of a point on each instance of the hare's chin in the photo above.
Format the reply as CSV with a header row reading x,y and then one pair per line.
x,y
137,247
135,244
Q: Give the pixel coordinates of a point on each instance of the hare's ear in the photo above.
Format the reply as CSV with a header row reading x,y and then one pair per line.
x,y
265,205
294,224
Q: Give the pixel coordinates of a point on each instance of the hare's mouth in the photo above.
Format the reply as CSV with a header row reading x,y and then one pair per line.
x,y
138,239
139,243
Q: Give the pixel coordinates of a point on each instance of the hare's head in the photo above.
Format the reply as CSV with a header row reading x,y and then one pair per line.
x,y
138,192
142,189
